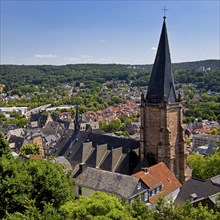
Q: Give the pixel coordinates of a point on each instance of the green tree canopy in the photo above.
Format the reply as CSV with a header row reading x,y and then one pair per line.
x,y
4,146
205,167
40,181
98,206
30,149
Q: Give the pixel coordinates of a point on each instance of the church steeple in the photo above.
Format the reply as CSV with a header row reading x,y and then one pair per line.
x,y
76,120
161,134
161,85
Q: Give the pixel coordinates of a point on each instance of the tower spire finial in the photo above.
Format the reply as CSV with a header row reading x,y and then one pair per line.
x,y
164,9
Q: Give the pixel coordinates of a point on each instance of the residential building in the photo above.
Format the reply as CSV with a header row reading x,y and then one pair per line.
x,y
21,110
148,185
160,181
198,190
88,180
205,139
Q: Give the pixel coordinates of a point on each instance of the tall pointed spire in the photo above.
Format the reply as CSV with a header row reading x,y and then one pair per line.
x,y
161,84
76,120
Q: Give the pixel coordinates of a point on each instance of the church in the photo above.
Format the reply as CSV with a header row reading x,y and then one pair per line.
x,y
161,116
161,135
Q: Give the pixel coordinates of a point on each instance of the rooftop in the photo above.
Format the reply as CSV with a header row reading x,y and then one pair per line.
x,y
110,182
202,188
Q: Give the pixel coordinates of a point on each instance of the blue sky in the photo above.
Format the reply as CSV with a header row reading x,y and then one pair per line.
x,y
126,32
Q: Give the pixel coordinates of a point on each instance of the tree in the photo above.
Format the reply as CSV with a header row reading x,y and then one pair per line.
x,y
169,210
50,183
114,125
30,149
202,212
2,118
32,212
4,146
205,167
15,187
38,183
140,211
98,206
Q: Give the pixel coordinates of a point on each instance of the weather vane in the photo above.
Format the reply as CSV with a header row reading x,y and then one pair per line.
x,y
164,9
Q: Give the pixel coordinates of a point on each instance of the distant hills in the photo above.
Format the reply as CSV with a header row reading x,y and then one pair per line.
x,y
205,74
194,65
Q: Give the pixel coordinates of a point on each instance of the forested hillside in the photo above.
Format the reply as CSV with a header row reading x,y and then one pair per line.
x,y
204,75
101,85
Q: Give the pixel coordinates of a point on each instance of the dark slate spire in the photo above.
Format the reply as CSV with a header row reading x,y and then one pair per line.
x,y
161,86
76,120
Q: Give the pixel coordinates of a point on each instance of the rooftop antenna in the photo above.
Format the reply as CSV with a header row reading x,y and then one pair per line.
x,y
164,9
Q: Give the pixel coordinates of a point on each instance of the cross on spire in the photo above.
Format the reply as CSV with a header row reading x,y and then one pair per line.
x,y
164,9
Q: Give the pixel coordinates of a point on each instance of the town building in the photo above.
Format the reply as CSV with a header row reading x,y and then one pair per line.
x,y
205,139
21,110
200,191
160,181
88,180
148,185
161,116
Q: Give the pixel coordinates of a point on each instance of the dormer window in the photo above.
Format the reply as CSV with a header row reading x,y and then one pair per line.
x,y
157,190
169,180
139,186
146,196
193,196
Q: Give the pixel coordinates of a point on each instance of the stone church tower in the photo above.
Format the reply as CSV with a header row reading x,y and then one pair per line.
x,y
161,116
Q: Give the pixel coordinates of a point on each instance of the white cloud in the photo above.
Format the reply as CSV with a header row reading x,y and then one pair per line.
x,y
154,48
45,56
86,56
74,59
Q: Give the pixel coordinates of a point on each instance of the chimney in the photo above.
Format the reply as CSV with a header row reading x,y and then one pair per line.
x,y
145,169
82,167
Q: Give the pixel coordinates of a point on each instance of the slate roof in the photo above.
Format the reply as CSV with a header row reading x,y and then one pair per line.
x,y
51,137
17,132
40,118
159,175
110,182
209,201
161,82
17,140
64,162
202,189
73,147
7,127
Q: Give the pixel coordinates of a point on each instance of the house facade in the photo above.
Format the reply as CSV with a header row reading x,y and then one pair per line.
x,y
148,185
88,180
160,181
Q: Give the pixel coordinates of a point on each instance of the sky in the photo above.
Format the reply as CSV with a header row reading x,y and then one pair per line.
x,y
60,32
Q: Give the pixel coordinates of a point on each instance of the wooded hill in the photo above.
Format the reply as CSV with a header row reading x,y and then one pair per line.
x,y
204,74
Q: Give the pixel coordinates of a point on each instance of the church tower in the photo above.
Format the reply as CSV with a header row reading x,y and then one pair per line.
x,y
161,116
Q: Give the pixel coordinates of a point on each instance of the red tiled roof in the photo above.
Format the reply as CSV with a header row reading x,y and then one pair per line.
x,y
157,175
36,156
148,179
